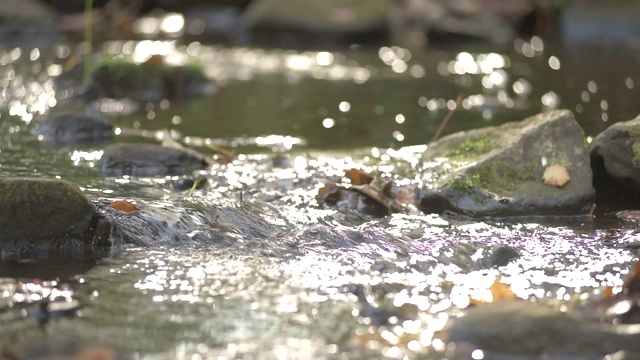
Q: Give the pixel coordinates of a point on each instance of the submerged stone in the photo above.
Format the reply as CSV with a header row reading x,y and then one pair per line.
x,y
615,158
40,214
149,81
72,128
147,160
499,170
524,328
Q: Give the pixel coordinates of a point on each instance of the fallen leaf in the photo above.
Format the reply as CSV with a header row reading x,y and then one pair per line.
x,y
358,177
329,193
97,353
499,292
155,60
123,206
556,175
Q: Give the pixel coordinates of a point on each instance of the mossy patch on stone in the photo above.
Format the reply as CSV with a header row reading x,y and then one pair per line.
x,y
472,148
499,177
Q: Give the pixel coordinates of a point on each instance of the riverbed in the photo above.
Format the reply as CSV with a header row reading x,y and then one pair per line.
x,y
252,266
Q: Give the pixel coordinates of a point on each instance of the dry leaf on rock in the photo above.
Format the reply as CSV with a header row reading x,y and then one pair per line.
x,y
556,175
123,206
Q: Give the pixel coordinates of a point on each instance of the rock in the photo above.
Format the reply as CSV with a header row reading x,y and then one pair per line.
x,y
499,255
497,171
146,160
524,328
337,18
150,81
28,23
72,128
39,214
629,215
615,159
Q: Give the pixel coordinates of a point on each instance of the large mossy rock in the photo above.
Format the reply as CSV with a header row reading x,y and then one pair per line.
x,y
615,159
72,128
528,329
147,160
498,171
40,214
317,17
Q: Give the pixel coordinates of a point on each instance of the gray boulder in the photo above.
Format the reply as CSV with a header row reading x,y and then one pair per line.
x,y
71,128
39,214
147,160
498,171
317,17
524,328
615,158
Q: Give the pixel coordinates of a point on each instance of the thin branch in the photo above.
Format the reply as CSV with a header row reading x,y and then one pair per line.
x,y
446,119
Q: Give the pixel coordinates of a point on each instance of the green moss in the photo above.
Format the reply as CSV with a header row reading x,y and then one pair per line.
x,y
497,177
500,177
472,148
636,152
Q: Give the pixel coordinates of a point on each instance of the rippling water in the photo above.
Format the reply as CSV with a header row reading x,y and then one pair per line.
x,y
252,266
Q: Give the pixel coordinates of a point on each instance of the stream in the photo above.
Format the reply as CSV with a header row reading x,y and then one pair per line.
x,y
252,266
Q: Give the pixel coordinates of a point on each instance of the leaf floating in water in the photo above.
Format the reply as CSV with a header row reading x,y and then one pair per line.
x,y
123,206
556,175
97,353
499,292
358,177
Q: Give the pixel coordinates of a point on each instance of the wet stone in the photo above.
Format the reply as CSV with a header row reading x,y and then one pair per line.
x,y
335,19
148,81
188,183
147,160
40,214
500,255
72,128
615,158
524,328
498,171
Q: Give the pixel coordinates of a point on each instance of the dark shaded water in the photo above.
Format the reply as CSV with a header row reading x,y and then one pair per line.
x,y
253,266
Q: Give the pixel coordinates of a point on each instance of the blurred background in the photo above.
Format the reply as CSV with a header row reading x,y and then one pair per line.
x,y
347,73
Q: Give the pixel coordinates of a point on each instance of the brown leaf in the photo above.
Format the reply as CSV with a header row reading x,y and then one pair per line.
x,y
97,353
499,292
556,175
358,177
329,193
123,206
155,60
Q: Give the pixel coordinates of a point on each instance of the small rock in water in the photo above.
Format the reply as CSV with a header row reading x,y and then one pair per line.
x,y
629,215
499,255
524,328
187,183
40,214
76,129
147,160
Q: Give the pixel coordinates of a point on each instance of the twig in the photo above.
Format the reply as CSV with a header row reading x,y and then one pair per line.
x,y
446,119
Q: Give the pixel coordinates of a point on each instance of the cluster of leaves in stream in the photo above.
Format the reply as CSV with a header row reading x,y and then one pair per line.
x,y
369,196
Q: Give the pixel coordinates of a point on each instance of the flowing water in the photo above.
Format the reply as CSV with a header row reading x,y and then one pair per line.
x,y
253,266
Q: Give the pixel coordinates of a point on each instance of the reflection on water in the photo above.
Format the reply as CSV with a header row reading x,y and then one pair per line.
x,y
252,264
